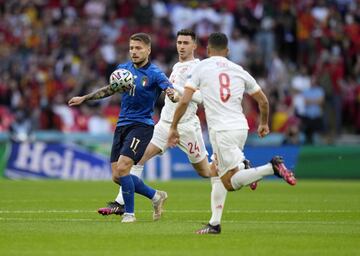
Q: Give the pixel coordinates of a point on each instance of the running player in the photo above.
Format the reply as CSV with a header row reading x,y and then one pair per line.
x,y
222,84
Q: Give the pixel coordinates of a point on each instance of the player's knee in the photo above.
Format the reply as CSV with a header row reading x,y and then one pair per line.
x,y
204,173
122,168
213,169
202,168
228,186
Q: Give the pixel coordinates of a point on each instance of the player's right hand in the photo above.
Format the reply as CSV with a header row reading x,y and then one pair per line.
x,y
173,138
263,130
74,101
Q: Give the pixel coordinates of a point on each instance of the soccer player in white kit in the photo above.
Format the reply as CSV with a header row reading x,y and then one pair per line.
x,y
222,84
191,141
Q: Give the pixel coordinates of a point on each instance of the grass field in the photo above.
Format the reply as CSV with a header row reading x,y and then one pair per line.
x,y
59,218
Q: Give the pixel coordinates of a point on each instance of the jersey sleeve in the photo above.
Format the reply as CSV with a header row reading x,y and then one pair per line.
x,y
163,81
193,79
251,86
123,65
197,97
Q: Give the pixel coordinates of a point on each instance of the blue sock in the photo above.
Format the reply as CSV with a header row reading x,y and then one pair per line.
x,y
128,190
141,188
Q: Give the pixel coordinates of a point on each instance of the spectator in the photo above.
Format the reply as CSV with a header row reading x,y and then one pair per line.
x,y
49,120
313,116
97,124
21,127
50,48
300,82
239,48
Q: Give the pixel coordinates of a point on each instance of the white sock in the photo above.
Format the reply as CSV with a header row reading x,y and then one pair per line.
x,y
156,197
119,197
247,176
218,196
135,170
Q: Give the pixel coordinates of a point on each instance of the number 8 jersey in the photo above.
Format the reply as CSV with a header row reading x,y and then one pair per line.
x,y
222,84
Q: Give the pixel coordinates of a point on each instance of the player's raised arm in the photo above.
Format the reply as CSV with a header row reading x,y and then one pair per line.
x,y
103,92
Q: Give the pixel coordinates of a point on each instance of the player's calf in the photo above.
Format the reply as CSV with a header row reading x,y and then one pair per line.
x,y
247,164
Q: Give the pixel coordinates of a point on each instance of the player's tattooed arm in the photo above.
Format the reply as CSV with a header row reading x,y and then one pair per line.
x,y
98,94
101,93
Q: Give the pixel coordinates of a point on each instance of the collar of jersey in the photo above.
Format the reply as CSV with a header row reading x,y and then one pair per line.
x,y
143,67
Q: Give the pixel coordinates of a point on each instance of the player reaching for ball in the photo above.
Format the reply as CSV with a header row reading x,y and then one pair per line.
x,y
135,125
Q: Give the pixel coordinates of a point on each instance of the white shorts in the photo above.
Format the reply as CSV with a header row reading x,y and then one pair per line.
x,y
228,148
191,140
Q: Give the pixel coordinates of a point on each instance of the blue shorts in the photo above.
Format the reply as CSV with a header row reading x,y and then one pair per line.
x,y
131,141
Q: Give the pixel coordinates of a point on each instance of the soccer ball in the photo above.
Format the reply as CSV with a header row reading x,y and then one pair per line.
x,y
121,80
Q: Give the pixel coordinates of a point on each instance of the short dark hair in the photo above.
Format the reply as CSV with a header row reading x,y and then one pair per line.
x,y
186,32
142,37
218,41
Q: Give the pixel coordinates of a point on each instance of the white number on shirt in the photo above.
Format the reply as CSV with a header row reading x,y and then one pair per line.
x,y
132,90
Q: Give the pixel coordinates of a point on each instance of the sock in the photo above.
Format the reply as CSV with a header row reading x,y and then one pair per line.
x,y
156,197
218,196
137,170
119,198
141,188
128,190
247,176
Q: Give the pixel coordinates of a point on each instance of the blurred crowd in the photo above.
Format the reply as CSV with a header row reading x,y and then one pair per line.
x,y
305,54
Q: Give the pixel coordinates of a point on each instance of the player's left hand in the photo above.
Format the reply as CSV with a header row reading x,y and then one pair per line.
x,y
173,138
74,101
172,94
263,130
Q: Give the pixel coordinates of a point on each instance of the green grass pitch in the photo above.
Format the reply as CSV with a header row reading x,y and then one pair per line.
x,y
59,218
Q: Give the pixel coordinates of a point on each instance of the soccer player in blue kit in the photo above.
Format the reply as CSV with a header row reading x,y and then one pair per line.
x,y
135,125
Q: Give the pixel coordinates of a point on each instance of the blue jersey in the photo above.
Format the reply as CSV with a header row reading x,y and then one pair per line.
x,y
137,105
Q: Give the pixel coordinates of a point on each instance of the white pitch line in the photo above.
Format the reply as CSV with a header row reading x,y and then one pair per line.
x,y
20,251
182,221
51,219
184,211
45,200
46,211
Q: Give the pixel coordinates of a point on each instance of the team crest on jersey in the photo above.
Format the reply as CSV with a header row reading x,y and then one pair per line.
x,y
144,81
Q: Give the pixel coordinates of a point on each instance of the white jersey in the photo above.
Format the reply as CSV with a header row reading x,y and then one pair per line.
x,y
178,77
222,84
